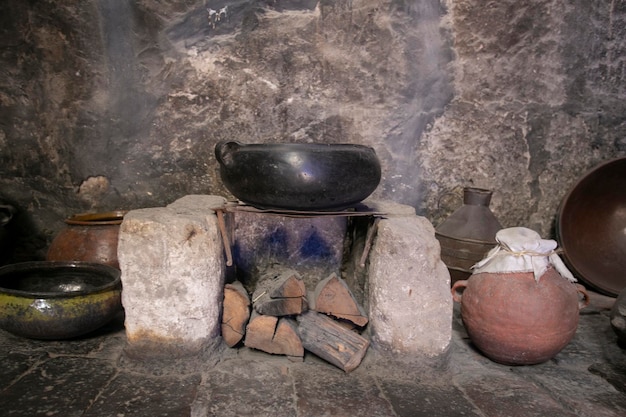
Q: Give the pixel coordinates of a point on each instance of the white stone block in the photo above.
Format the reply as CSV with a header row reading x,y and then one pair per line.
x,y
409,289
173,270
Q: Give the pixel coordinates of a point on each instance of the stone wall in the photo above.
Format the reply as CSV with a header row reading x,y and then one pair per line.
x,y
108,104
537,91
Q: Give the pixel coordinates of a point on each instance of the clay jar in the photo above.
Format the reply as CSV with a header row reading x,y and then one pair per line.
x,y
88,237
514,319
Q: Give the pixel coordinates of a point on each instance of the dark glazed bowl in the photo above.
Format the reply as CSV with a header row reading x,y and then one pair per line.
x,y
58,300
298,176
591,227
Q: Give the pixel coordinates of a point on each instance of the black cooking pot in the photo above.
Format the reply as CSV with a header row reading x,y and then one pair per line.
x,y
298,176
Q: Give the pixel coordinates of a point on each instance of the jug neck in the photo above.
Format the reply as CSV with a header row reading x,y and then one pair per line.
x,y
476,196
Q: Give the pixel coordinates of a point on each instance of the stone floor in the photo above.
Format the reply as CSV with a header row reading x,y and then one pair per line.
x,y
92,377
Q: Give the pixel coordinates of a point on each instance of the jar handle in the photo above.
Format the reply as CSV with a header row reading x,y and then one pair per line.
x,y
449,192
584,301
6,214
457,294
439,211
224,151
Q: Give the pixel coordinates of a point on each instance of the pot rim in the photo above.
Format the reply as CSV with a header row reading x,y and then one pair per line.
x,y
290,146
111,272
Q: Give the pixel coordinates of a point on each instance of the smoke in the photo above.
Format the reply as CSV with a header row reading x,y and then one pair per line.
x,y
428,90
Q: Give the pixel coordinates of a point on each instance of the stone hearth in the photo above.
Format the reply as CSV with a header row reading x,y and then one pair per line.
x,y
174,269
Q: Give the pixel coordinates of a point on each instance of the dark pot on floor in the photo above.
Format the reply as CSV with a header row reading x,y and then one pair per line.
x,y
298,176
6,214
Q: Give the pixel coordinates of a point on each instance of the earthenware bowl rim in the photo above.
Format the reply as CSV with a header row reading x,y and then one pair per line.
x,y
94,219
112,272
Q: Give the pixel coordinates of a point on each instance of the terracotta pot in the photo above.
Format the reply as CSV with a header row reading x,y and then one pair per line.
x,y
515,320
88,238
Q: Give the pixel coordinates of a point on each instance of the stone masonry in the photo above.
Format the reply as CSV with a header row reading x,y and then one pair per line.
x,y
173,272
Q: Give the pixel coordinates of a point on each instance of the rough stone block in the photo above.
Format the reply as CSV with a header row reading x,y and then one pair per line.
x,y
410,306
172,266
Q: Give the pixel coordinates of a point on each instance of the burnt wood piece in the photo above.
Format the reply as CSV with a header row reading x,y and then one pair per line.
x,y
331,341
332,296
280,292
235,314
274,335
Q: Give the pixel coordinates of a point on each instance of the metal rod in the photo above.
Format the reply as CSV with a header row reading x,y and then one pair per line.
x,y
225,240
368,241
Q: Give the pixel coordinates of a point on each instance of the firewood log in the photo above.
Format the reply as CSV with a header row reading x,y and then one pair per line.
x,y
280,292
330,341
235,313
274,335
333,297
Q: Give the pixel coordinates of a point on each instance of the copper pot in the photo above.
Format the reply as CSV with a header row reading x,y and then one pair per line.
x,y
590,227
516,320
89,238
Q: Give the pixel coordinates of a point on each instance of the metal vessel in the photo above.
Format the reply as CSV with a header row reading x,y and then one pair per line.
x,y
468,234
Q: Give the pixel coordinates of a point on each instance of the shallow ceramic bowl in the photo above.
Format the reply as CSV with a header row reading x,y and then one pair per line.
x,y
591,227
298,176
58,300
